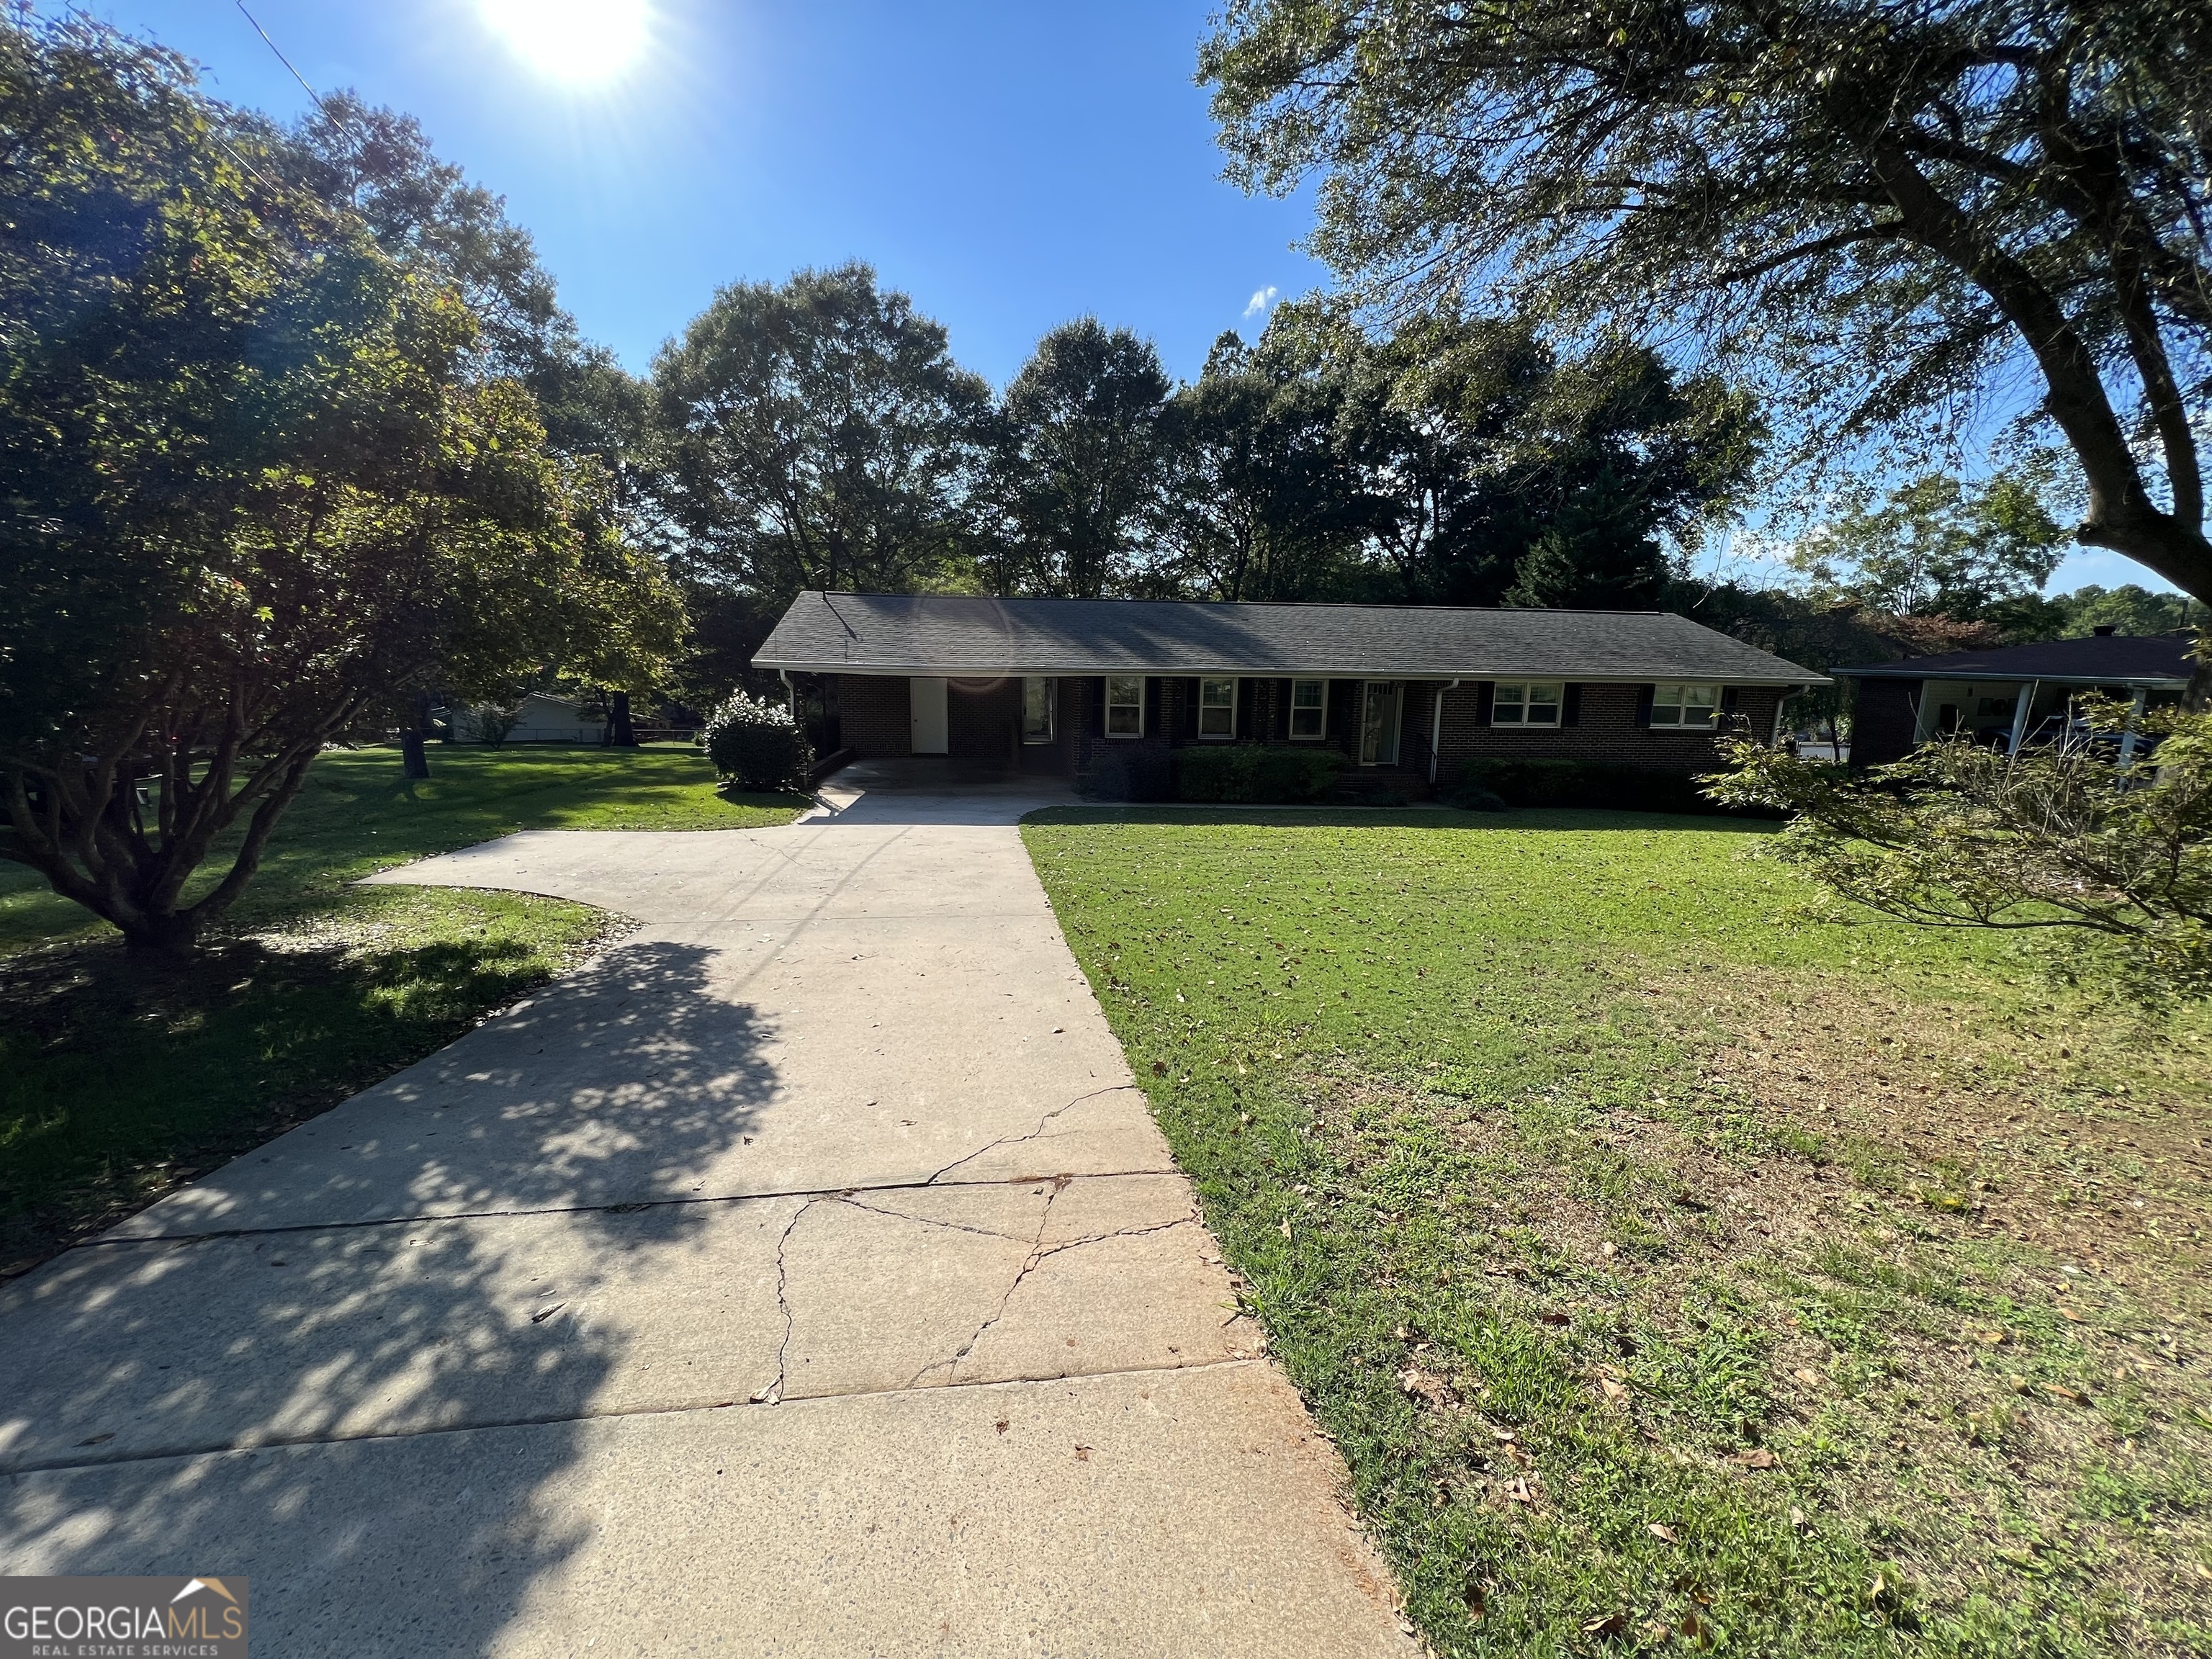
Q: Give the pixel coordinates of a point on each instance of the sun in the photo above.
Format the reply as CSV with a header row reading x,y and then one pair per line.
x,y
577,42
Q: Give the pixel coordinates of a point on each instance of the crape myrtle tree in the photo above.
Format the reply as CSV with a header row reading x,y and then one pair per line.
x,y
1882,209
253,489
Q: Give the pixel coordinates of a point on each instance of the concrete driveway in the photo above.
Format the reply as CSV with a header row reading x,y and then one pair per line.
x,y
803,1276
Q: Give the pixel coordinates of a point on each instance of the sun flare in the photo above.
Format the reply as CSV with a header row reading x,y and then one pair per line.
x,y
577,42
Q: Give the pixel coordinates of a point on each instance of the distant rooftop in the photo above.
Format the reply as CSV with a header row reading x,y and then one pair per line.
x,y
2155,660
931,634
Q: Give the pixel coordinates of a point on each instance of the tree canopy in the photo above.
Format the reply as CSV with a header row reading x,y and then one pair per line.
x,y
1881,210
253,486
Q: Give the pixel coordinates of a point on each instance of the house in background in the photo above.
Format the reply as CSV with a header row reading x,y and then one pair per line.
x,y
1071,685
2010,696
541,717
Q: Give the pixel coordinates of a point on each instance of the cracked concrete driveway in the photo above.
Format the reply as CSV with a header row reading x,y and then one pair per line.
x,y
803,1276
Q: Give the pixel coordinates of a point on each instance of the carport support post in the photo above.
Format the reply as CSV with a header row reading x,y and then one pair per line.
x,y
1437,730
2020,714
2140,702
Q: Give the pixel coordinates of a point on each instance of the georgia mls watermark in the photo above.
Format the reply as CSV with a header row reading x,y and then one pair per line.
x,y
122,1619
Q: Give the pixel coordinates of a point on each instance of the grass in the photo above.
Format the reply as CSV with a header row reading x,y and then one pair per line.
x,y
1678,1271
118,1082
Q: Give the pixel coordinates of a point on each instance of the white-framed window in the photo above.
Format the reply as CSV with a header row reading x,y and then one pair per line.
x,y
1309,709
1527,703
1216,708
1124,705
1685,707
1039,698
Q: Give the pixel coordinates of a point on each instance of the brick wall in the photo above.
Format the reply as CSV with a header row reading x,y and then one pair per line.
x,y
875,714
1605,728
983,718
1884,721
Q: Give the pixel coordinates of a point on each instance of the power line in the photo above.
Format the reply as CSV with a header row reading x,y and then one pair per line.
x,y
281,57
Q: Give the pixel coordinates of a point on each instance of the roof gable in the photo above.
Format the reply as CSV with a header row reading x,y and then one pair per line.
x,y
961,635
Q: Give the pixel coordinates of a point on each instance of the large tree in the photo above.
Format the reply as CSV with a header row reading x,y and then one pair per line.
x,y
1262,502
1888,207
1935,546
253,488
1080,468
818,434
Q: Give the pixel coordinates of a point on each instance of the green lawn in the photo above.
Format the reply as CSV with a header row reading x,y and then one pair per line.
x,y
116,1083
1678,1271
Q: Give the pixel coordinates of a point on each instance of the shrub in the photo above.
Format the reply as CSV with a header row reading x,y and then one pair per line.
x,y
1136,775
1487,784
1255,773
757,745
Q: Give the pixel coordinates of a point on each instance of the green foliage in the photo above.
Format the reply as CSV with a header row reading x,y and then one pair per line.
x,y
1606,785
254,490
1935,546
1878,214
1080,468
2127,609
818,434
758,745
2057,841
1251,772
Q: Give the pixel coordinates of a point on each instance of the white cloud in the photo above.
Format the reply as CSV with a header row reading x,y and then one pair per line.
x,y
1260,301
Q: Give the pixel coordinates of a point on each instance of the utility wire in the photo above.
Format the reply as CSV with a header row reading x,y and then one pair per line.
x,y
281,57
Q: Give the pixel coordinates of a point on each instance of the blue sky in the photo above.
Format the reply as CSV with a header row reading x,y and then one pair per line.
x,y
1008,164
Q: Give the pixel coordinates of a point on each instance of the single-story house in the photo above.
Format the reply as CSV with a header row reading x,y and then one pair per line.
x,y
2010,697
541,717
1061,685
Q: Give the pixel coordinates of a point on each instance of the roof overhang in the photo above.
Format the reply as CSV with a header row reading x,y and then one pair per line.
x,y
2134,682
1184,670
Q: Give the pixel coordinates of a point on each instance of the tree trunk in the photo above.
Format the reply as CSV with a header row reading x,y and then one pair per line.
x,y
413,762
168,939
625,735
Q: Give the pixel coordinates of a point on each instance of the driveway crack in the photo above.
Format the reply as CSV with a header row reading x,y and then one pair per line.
x,y
773,1393
1032,1134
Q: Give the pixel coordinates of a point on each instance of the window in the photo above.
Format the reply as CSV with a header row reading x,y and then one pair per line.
x,y
1216,708
1529,703
1309,709
1685,707
1038,699
1124,705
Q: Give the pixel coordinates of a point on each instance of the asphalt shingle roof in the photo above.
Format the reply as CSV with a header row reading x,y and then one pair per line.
x,y
2106,659
956,635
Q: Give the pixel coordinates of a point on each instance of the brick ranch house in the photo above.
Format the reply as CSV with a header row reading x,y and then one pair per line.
x,y
1055,685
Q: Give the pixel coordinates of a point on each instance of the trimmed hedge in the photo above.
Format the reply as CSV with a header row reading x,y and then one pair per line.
x,y
1490,785
1133,773
758,746
1256,773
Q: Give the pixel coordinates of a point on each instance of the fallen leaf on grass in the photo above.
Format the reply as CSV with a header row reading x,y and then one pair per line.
x,y
1757,1457
1613,1391
1665,1534
1796,1518
1612,1624
1518,1492
1425,1385
2064,1393
1990,1338
1810,1378
1551,1318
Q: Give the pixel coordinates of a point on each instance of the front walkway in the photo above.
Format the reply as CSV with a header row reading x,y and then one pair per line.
x,y
804,1276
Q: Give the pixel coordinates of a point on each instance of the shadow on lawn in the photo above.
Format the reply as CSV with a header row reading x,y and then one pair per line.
x,y
120,1079
322,1301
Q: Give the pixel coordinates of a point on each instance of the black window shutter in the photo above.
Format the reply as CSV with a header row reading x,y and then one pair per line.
x,y
1190,689
1098,703
1643,695
1153,696
1484,695
1571,712
1248,703
1728,700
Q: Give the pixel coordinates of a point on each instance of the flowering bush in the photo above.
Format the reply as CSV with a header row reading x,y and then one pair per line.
x,y
758,745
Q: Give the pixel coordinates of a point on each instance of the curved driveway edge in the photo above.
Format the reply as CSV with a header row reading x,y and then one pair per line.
x,y
805,1275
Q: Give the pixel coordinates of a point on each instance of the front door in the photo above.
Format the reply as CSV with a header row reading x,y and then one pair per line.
x,y
931,730
1379,726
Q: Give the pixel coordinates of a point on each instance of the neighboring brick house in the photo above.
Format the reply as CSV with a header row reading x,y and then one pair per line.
x,y
2010,696
1056,685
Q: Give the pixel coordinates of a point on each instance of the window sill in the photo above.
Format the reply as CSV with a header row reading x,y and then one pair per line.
x,y
1553,727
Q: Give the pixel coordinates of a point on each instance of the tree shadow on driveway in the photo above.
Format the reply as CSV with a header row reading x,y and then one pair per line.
x,y
349,1364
